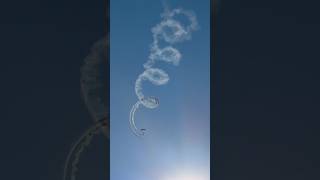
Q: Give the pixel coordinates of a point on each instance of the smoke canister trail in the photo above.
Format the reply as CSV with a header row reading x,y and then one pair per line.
x,y
170,31
71,167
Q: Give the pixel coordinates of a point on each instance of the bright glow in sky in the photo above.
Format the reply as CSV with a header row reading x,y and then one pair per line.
x,y
187,174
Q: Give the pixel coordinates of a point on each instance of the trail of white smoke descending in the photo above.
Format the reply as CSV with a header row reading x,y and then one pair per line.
x,y
94,82
170,31
71,167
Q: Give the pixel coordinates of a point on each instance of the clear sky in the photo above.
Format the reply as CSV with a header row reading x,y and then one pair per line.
x,y
176,143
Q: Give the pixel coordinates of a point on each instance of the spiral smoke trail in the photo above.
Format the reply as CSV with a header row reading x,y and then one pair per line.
x,y
94,82
170,31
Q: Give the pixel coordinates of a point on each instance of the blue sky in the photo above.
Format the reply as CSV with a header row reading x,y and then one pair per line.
x,y
176,143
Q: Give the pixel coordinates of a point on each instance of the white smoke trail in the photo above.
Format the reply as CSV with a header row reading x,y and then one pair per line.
x,y
94,79
171,31
79,146
94,82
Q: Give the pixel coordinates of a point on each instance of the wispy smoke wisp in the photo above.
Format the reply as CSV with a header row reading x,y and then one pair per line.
x,y
170,31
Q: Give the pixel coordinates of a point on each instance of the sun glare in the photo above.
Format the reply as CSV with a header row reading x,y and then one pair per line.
x,y
187,175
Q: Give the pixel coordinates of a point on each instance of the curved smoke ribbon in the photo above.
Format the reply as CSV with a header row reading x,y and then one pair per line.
x,y
170,31
94,84
78,147
94,79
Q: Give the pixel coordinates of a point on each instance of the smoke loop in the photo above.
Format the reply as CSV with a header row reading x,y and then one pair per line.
x,y
171,31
